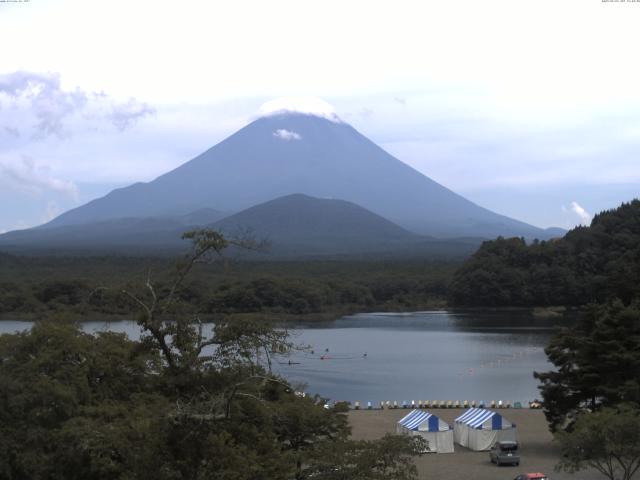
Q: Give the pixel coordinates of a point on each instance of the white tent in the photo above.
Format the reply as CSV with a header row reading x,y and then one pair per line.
x,y
436,432
479,429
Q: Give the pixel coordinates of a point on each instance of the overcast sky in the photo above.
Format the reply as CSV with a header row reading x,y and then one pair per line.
x,y
529,108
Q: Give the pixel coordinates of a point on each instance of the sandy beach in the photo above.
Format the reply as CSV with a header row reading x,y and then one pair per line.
x,y
538,453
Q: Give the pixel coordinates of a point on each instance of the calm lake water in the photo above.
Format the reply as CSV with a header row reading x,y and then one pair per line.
x,y
422,355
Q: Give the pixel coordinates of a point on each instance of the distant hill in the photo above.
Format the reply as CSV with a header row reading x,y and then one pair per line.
x,y
302,224
130,234
295,226
554,232
588,264
203,216
289,153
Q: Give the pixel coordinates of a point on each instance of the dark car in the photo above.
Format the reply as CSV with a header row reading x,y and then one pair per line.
x,y
505,452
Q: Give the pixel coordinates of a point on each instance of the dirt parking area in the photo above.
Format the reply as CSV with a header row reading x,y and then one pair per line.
x,y
538,453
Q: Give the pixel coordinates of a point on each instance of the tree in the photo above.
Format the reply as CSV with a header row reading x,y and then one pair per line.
x,y
390,458
597,364
69,399
180,338
589,264
607,440
181,403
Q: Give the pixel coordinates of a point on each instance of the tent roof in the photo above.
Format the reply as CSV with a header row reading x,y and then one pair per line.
x,y
475,417
416,418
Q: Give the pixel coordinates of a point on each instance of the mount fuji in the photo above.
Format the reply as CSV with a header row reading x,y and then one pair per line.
x,y
310,152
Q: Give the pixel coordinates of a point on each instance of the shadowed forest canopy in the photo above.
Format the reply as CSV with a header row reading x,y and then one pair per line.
x,y
607,441
597,363
79,406
37,287
180,403
589,264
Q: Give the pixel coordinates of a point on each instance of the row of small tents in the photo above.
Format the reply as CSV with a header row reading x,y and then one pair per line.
x,y
477,429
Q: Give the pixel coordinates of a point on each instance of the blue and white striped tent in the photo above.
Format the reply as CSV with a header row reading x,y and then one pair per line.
x,y
436,432
479,429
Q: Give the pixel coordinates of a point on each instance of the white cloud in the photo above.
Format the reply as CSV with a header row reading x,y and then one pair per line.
x,y
51,211
455,46
28,176
12,131
585,217
126,114
287,134
41,96
300,104
365,112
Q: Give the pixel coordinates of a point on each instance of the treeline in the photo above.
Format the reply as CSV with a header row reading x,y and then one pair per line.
x,y
590,264
70,285
103,407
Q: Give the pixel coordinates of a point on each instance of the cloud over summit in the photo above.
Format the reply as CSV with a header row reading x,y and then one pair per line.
x,y
300,104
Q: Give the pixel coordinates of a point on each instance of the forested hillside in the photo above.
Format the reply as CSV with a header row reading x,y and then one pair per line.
x,y
590,264
37,287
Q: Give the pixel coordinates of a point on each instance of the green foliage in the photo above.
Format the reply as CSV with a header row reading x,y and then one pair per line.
x,y
67,292
74,405
55,377
180,404
590,264
607,440
390,458
597,363
92,286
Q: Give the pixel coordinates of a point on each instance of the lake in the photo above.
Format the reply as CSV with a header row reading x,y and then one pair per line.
x,y
407,356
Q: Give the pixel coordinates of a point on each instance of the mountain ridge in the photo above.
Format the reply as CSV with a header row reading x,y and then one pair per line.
x,y
317,157
294,226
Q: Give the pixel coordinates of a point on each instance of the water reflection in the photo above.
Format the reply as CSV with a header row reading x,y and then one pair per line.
x,y
410,356
422,355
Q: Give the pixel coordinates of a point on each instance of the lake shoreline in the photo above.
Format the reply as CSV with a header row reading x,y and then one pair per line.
x,y
433,355
539,313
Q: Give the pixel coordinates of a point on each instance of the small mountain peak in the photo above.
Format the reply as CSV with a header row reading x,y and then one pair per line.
x,y
299,105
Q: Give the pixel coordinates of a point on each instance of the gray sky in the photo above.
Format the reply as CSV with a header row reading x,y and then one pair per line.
x,y
531,109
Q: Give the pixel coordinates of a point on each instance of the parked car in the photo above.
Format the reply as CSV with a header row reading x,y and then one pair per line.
x,y
505,452
532,476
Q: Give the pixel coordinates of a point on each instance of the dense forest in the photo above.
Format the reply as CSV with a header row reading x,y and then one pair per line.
x,y
589,264
180,403
40,287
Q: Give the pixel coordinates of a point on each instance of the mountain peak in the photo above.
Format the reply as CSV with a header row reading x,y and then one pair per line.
x,y
299,105
300,146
